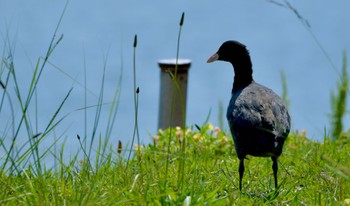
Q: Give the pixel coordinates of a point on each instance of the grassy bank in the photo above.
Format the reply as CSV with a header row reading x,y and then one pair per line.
x,y
202,170
182,166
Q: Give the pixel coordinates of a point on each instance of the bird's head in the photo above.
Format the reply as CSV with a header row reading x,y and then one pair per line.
x,y
237,54
231,51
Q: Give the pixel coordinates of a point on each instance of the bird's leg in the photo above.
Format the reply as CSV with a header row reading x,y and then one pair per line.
x,y
275,168
241,171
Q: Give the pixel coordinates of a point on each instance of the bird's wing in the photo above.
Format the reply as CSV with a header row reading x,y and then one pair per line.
x,y
260,108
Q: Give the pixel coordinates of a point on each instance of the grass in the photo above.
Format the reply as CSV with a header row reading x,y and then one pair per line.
x,y
195,165
339,101
311,173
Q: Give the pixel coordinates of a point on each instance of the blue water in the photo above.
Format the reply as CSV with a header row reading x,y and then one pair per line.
x,y
99,32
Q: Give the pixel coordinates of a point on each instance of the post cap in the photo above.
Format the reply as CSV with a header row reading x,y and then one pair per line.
x,y
169,64
173,61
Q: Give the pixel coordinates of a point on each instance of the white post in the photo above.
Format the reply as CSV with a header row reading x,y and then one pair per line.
x,y
168,89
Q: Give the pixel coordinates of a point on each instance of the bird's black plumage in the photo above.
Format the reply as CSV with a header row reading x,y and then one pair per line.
x,y
258,118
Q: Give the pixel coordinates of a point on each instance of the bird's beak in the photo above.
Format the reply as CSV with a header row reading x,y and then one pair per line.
x,y
213,58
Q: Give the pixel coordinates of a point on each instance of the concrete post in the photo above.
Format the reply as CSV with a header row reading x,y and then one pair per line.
x,y
167,89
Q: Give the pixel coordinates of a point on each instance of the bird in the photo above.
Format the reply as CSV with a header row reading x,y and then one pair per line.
x,y
258,118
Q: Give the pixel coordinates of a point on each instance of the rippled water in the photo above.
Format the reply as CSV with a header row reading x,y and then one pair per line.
x,y
101,33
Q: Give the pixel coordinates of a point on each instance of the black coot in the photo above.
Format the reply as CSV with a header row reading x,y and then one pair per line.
x,y
258,118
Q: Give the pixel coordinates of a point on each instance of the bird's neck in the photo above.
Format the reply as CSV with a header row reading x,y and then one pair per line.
x,y
243,76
